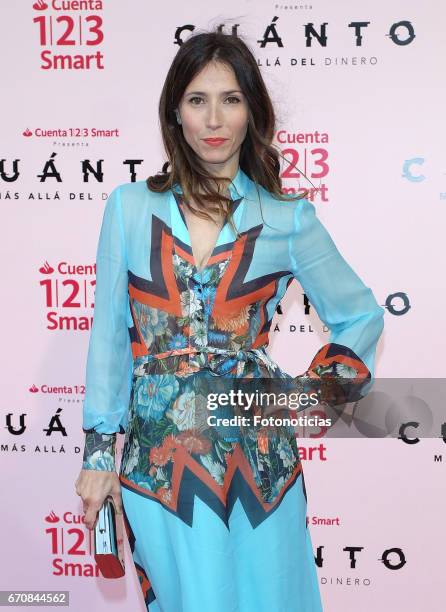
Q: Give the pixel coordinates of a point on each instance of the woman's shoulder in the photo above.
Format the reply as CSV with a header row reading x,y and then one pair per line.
x,y
136,190
286,209
135,196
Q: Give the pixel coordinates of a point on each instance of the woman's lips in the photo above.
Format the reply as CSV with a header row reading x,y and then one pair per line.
x,y
214,142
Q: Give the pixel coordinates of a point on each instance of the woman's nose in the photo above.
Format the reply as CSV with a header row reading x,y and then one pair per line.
x,y
213,116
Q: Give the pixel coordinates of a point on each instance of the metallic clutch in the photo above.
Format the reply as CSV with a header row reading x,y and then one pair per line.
x,y
108,541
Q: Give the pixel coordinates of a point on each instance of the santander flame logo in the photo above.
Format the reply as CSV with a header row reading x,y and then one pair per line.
x,y
40,5
33,389
52,517
27,133
46,268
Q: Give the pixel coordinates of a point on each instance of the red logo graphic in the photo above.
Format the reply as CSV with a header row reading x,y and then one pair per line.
x,y
27,132
52,517
46,268
40,5
34,389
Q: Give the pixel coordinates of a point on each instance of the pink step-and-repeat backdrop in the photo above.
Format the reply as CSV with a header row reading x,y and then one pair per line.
x,y
359,92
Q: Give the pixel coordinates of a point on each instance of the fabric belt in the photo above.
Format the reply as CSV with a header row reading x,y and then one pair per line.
x,y
218,361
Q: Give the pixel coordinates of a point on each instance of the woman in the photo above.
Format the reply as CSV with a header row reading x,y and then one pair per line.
x,y
191,265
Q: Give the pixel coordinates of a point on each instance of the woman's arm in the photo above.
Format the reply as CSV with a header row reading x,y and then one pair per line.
x,y
109,360
343,302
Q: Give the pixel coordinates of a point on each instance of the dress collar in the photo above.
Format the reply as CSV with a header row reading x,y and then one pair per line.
x,y
239,185
237,188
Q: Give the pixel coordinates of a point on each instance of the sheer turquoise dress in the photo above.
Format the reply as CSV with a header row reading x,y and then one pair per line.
x,y
215,522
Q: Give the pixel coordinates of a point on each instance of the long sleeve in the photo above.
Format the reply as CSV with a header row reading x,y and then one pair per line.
x,y
344,367
109,359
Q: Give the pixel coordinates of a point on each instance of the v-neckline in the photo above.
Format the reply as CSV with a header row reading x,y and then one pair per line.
x,y
220,242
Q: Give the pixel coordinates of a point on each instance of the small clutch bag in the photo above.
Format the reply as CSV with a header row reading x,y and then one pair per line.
x,y
108,541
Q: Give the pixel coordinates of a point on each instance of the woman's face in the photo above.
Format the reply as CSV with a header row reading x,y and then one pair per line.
x,y
213,106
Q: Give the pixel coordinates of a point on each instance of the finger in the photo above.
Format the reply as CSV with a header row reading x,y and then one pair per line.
x,y
90,516
118,502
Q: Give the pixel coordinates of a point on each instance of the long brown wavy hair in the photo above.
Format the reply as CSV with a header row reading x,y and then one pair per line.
x,y
259,158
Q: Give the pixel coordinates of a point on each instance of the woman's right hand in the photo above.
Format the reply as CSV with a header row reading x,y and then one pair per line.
x,y
93,486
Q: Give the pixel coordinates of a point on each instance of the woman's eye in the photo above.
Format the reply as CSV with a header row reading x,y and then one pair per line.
x,y
191,100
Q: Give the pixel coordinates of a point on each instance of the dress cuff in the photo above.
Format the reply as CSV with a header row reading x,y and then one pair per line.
x,y
99,451
339,374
